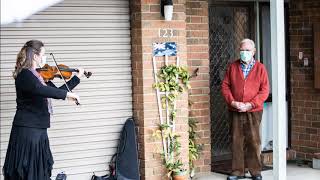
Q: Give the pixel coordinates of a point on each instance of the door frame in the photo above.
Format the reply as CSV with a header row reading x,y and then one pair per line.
x,y
253,35
288,69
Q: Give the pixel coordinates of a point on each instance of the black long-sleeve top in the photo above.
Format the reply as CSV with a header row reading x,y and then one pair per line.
x,y
32,103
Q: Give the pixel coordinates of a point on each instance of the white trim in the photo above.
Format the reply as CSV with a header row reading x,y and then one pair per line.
x,y
257,30
278,88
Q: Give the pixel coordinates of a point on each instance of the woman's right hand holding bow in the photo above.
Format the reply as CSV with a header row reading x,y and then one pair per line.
x,y
73,96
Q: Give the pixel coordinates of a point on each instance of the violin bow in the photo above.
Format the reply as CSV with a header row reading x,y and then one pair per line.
x,y
65,82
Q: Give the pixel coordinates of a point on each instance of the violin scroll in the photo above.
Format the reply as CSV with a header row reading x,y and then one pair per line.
x,y
87,74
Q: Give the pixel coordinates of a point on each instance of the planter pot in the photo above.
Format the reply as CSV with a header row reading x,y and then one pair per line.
x,y
180,175
316,163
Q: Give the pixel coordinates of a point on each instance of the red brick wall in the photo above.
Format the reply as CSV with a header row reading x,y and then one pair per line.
x,y
198,57
145,24
137,78
305,98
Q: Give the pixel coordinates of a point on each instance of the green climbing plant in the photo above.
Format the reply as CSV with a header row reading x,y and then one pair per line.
x,y
172,81
194,148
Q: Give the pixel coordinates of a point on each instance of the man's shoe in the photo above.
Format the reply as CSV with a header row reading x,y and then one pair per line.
x,y
232,178
257,177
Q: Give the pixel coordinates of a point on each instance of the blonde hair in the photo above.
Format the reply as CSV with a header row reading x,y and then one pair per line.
x,y
25,56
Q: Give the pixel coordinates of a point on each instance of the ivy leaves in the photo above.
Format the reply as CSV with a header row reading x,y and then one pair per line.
x,y
172,81
170,76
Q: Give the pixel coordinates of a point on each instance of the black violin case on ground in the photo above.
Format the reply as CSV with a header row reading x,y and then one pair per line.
x,y
124,164
126,161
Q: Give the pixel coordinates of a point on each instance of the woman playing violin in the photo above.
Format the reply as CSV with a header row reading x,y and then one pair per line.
x,y
28,155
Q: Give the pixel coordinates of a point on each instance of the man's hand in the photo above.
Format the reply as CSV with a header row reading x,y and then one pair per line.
x,y
237,104
245,107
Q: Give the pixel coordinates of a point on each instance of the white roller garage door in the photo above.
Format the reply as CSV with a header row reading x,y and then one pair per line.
x,y
92,34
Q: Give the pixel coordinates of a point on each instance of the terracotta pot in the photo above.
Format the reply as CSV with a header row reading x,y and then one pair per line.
x,y
180,176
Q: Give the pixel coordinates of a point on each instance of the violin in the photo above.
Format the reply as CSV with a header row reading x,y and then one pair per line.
x,y
62,71
48,72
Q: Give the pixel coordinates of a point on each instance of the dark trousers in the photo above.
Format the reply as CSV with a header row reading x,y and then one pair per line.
x,y
246,142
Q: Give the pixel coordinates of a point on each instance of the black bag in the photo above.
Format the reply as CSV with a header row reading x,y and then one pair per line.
x,y
61,176
126,163
111,175
105,177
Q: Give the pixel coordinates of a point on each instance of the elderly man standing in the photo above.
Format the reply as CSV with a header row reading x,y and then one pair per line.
x,y
245,88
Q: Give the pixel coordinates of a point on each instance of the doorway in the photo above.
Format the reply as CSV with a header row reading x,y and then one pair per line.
x,y
229,23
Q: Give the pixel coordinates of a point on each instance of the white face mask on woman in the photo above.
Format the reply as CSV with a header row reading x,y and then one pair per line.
x,y
43,61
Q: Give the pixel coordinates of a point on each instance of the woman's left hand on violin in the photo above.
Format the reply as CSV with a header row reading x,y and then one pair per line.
x,y
80,73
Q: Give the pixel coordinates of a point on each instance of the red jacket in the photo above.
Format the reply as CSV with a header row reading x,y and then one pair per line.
x,y
253,89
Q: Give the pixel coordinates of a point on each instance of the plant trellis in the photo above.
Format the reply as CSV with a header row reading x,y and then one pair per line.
x,y
168,86
163,49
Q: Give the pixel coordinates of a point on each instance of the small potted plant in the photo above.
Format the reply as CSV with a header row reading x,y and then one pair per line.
x,y
176,170
180,174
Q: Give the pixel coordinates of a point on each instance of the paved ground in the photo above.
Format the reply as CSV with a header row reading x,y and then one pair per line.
x,y
294,172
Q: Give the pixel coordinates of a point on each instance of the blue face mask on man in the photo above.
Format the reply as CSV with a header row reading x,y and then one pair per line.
x,y
246,56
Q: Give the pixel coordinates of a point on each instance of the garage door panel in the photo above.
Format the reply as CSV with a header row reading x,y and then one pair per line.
x,y
91,34
71,39
114,117
124,47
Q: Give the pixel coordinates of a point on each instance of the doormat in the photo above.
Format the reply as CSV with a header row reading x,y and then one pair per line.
x,y
224,167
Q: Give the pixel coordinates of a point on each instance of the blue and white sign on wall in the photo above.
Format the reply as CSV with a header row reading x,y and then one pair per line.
x,y
165,49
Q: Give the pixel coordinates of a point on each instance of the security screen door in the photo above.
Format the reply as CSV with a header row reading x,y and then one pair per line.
x,y
228,26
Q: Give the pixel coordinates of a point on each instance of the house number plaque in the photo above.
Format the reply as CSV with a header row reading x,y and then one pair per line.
x,y
166,33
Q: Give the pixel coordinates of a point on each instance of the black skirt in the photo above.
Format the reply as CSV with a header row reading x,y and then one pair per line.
x,y
28,155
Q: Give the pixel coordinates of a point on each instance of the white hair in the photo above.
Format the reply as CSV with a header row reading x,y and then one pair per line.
x,y
248,41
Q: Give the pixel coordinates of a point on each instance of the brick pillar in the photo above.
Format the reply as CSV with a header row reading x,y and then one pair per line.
x,y
305,99
145,24
198,57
